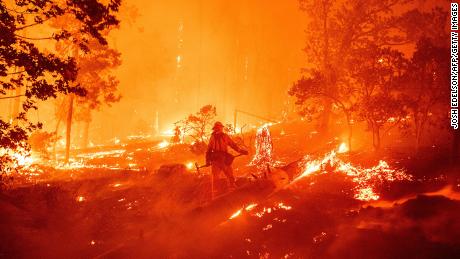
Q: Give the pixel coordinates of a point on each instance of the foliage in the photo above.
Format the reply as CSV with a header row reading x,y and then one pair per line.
x,y
427,88
336,29
41,141
178,136
44,75
198,125
95,69
378,71
354,63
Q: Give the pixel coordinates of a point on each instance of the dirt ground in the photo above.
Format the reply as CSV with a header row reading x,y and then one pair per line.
x,y
124,213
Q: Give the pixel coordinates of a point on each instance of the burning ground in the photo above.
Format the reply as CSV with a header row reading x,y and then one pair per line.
x,y
113,202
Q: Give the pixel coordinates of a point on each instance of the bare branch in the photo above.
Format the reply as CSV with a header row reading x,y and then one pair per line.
x,y
27,38
10,97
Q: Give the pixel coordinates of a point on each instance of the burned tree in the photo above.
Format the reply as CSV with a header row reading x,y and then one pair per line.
x,y
310,93
95,76
378,73
197,126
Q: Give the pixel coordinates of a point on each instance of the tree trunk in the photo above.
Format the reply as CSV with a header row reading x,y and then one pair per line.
x,y
85,139
350,134
373,133
377,136
69,128
324,124
325,116
55,141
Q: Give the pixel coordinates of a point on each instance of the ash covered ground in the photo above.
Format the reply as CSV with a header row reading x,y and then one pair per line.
x,y
117,204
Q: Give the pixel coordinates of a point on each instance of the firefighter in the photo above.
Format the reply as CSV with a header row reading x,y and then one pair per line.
x,y
218,157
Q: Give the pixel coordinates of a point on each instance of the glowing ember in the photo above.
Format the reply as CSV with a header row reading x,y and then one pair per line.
x,y
365,178
343,148
102,154
236,214
261,212
80,199
250,207
21,157
116,141
282,206
269,226
189,165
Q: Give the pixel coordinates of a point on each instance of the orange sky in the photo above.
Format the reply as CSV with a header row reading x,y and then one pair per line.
x,y
233,54
179,55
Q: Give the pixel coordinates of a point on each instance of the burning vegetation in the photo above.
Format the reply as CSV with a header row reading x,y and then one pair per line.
x,y
200,129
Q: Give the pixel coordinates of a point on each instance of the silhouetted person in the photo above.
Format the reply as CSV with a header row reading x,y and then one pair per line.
x,y
218,157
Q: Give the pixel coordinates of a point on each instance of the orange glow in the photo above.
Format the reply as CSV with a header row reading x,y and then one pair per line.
x,y
236,214
364,178
163,144
190,165
343,148
226,129
80,199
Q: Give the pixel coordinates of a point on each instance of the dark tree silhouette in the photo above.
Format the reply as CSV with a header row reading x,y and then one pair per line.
x,y
43,74
427,91
338,28
197,126
378,73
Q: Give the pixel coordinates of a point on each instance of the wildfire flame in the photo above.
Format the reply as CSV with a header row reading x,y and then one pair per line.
x,y
21,157
264,148
343,148
80,199
365,178
236,214
251,209
163,144
189,165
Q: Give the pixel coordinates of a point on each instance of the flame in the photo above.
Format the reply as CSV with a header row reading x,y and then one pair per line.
x,y
250,206
116,141
236,214
168,133
264,148
251,209
80,199
189,165
343,148
163,144
21,160
365,178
